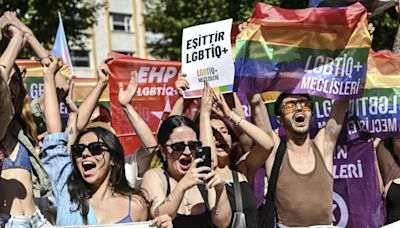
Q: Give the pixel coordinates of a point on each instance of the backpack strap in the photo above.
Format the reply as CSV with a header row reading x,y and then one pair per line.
x,y
204,194
167,186
238,192
270,197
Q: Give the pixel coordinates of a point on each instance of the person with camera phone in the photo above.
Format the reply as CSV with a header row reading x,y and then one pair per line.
x,y
204,153
191,193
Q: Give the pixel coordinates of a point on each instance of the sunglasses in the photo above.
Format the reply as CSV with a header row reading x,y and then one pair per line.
x,y
95,148
290,106
180,146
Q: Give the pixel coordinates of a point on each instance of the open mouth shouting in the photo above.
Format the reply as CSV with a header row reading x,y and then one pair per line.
x,y
299,119
185,163
88,167
221,146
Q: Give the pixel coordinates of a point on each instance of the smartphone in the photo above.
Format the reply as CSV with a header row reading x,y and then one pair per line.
x,y
205,154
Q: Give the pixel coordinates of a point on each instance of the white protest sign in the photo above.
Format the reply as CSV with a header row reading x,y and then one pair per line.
x,y
207,56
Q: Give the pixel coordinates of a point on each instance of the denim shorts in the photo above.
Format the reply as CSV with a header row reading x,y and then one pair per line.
x,y
36,220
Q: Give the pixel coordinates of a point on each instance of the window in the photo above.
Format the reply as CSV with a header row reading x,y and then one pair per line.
x,y
129,53
121,22
80,58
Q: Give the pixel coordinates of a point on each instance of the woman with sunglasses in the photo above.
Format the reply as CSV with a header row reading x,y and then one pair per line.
x,y
193,196
89,185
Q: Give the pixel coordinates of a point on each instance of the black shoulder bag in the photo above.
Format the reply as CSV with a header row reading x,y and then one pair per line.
x,y
268,219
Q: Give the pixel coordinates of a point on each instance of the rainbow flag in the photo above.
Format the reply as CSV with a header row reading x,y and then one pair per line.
x,y
320,51
376,113
60,49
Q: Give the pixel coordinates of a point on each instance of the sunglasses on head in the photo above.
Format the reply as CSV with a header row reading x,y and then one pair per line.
x,y
95,148
291,106
180,146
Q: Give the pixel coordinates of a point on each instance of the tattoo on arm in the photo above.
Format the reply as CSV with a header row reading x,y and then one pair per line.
x,y
157,210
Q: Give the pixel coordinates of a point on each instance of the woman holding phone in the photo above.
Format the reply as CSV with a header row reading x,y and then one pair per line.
x,y
192,196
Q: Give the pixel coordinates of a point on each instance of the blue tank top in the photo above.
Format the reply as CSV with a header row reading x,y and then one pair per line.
x,y
21,161
128,218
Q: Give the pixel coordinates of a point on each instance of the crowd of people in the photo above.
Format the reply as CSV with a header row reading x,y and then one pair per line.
x,y
78,175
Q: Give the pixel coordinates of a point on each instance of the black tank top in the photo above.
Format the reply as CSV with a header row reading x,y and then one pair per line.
x,y
193,221
248,199
393,203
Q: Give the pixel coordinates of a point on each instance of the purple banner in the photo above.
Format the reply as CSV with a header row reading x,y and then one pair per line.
x,y
357,198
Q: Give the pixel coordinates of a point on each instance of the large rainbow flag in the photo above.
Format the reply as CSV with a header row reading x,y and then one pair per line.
x,y
320,51
376,113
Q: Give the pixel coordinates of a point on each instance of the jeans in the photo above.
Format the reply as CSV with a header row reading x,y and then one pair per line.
x,y
36,220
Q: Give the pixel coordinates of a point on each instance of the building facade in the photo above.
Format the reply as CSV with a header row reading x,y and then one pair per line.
x,y
120,28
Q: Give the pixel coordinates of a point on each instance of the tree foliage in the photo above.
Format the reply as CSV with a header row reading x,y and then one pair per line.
x,y
168,17
42,17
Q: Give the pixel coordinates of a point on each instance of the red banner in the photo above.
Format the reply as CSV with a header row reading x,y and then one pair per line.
x,y
154,99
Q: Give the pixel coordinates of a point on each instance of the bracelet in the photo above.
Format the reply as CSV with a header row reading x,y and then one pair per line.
x,y
230,116
38,59
240,120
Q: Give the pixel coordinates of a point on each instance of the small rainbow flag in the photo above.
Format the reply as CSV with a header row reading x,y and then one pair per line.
x,y
60,49
320,51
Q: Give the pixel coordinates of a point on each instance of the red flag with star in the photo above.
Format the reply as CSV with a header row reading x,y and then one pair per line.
x,y
153,101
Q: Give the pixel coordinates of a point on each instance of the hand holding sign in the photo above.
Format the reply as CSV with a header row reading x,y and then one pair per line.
x,y
103,71
206,100
181,84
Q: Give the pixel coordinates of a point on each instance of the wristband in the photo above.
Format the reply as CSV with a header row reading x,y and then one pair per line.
x,y
230,116
240,120
38,59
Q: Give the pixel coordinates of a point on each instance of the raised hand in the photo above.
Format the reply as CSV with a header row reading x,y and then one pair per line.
x,y
69,99
181,84
206,100
125,96
103,72
12,19
243,25
195,175
12,31
73,111
221,104
51,67
371,29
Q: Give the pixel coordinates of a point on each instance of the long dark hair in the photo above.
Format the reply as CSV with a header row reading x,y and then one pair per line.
x,y
388,143
80,191
166,128
22,109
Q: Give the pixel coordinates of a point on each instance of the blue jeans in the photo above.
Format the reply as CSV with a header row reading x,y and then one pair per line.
x,y
36,220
